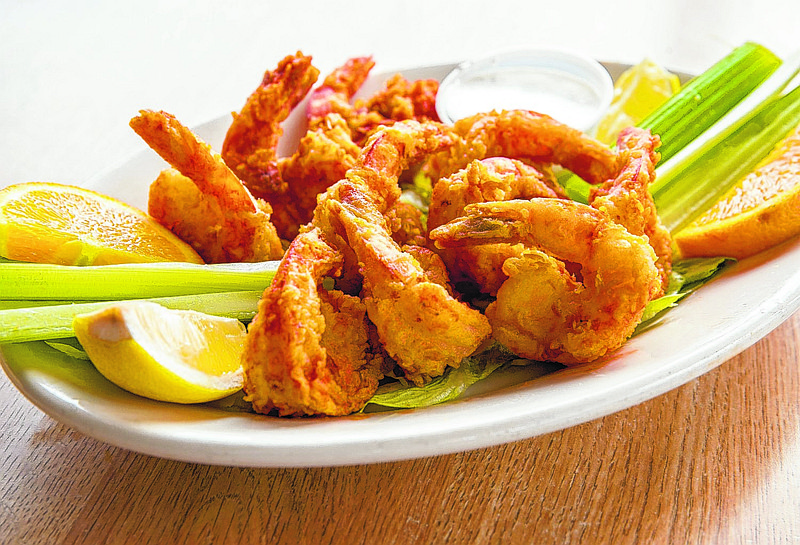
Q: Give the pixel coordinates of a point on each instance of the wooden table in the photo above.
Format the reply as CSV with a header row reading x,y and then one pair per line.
x,y
714,461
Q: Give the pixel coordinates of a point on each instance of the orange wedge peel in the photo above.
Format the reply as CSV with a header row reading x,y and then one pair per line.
x,y
759,212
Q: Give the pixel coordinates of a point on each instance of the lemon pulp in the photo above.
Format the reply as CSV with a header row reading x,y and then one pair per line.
x,y
638,92
181,356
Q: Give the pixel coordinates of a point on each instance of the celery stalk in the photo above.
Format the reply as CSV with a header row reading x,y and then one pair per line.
x,y
768,90
705,99
699,104
6,304
691,186
32,281
55,322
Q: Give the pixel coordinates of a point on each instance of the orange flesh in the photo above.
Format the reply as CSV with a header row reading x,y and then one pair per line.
x,y
772,179
759,212
66,225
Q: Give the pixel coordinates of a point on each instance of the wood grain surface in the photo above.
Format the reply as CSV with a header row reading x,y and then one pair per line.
x,y
714,461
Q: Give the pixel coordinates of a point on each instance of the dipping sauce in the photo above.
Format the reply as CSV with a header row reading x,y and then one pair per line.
x,y
575,90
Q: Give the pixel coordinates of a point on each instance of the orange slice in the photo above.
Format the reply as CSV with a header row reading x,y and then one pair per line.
x,y
66,225
759,212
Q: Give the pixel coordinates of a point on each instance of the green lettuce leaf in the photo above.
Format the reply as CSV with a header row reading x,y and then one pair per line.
x,y
70,347
449,386
687,275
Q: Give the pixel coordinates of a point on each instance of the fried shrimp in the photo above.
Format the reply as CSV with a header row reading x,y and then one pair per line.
x,y
398,100
324,154
394,149
419,322
329,148
257,127
402,99
529,136
388,153
494,179
251,142
337,90
307,350
202,200
335,96
543,311
626,200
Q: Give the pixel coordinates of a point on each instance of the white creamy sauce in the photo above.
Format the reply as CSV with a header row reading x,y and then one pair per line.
x,y
566,97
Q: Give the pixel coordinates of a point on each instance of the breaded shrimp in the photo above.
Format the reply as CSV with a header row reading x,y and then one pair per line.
x,y
627,201
329,148
421,325
327,151
543,312
391,150
398,100
307,350
337,90
401,99
251,142
493,179
324,154
388,153
214,213
529,136
289,365
258,125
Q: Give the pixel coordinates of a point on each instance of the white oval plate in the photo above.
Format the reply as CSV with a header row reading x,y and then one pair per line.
x,y
713,324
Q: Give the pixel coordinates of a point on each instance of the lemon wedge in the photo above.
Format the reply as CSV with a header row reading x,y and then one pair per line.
x,y
180,356
638,92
